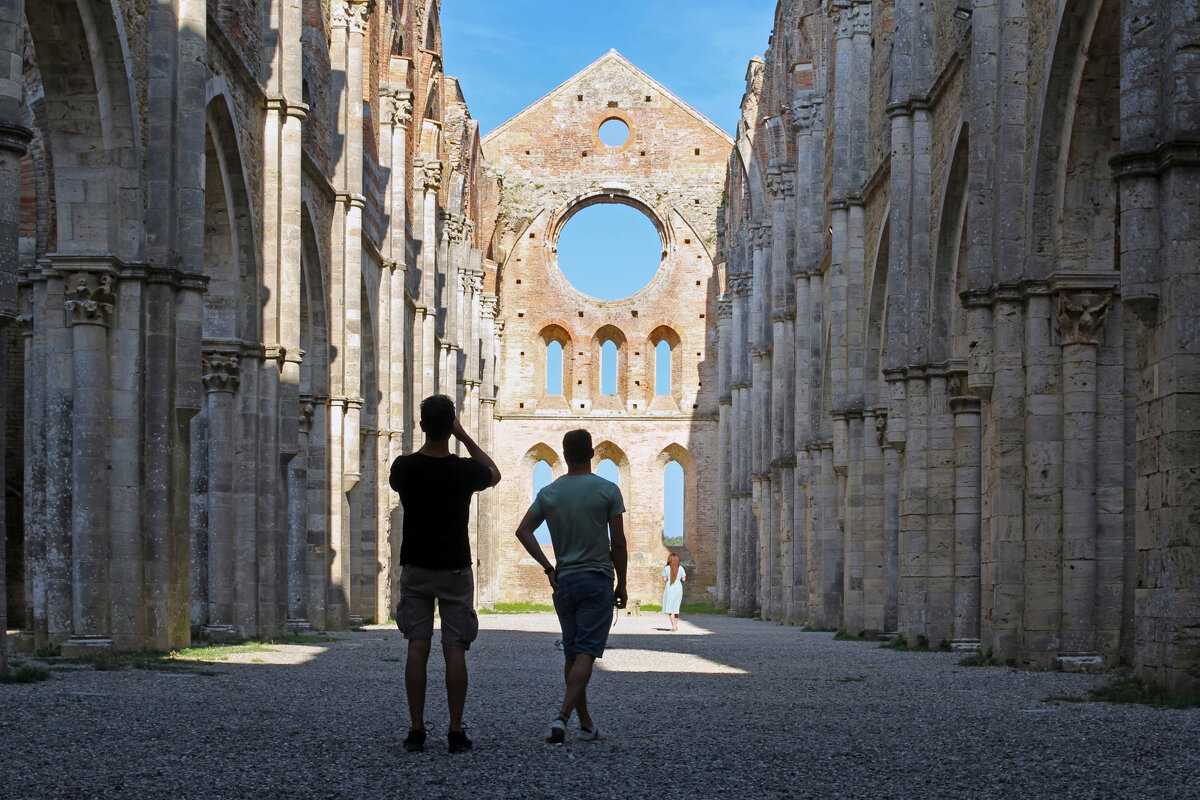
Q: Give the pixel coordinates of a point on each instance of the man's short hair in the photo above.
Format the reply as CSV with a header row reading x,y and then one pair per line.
x,y
577,447
437,416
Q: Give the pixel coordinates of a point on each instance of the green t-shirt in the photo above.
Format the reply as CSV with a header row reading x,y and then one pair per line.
x,y
577,509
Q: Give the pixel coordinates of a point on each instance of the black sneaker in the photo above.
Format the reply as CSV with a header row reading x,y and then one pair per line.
x,y
415,741
458,741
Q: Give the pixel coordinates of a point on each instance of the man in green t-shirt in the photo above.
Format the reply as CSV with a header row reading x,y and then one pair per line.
x,y
581,510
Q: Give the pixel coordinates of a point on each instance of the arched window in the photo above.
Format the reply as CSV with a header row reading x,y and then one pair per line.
x,y
554,368
608,368
672,533
662,369
542,476
607,469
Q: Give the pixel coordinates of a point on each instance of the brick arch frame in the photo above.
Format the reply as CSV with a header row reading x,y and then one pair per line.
x,y
614,334
555,330
682,456
669,332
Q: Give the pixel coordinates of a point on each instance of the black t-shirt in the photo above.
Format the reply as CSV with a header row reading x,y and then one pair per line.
x,y
436,495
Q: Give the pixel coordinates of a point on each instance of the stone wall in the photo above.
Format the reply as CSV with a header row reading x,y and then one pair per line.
x,y
221,327
982,459
670,168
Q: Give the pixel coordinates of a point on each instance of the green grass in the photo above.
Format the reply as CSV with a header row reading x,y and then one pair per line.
x,y
516,608
844,636
815,629
25,675
918,645
980,659
1134,690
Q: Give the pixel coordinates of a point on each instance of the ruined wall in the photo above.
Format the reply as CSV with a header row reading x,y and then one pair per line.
x,y
670,168
977,454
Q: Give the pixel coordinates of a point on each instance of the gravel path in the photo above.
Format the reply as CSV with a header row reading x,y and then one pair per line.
x,y
724,708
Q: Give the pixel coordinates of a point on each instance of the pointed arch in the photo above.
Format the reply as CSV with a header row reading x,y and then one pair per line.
x,y
83,58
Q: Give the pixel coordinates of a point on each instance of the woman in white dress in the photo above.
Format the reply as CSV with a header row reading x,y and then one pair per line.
x,y
673,577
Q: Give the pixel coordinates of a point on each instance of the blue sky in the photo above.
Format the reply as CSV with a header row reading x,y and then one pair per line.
x,y
509,53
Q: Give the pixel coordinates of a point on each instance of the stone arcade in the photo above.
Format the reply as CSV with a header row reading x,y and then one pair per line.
x,y
931,318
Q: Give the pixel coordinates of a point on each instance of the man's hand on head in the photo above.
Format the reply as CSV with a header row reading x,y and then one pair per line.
x,y
457,429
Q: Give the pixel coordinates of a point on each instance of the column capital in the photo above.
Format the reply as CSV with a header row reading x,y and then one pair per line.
x,y
489,305
395,106
808,115
741,285
725,308
431,175
221,369
90,297
1081,315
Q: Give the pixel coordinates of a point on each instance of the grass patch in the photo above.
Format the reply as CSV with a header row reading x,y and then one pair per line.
x,y
25,675
982,658
516,608
815,629
220,652
1134,690
918,645
845,636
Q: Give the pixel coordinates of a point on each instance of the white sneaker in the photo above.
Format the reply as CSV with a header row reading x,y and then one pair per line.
x,y
557,733
592,735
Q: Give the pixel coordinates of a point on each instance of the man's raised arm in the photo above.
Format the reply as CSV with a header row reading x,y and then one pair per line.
x,y
475,451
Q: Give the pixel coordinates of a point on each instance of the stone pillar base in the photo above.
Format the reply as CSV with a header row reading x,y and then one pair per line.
x,y
356,621
965,645
21,642
298,626
1080,662
219,633
86,646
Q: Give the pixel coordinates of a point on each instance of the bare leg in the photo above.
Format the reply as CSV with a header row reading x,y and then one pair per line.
x,y
578,673
456,683
414,681
581,707
674,622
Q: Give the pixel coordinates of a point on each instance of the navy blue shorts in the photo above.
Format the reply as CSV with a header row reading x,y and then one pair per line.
x,y
584,602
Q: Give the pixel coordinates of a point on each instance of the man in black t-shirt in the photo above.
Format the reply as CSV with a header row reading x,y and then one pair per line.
x,y
435,489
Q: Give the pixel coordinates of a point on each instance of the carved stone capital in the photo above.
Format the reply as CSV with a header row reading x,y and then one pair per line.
x,y
222,370
1081,315
808,115
308,405
881,419
725,308
90,298
431,175
489,305
779,181
358,14
395,107
741,285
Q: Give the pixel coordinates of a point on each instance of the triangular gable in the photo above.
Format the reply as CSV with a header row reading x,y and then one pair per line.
x,y
612,56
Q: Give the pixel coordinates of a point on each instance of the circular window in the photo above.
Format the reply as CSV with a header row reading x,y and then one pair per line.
x,y
614,132
609,250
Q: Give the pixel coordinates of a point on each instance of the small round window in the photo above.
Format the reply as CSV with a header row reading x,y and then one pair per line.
x,y
614,132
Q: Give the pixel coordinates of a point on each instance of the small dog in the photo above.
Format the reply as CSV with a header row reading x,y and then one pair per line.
x,y
635,608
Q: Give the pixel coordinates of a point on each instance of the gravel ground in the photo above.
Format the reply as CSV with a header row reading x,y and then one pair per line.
x,y
724,708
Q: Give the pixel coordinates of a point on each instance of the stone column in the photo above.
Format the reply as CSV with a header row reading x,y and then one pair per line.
x,y
891,524
724,445
89,305
431,180
222,375
967,507
490,535
297,543
14,139
1080,317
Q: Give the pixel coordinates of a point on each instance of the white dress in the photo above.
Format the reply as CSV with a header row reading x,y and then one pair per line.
x,y
672,592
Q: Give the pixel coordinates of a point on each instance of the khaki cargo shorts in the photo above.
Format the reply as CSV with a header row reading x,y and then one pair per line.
x,y
454,590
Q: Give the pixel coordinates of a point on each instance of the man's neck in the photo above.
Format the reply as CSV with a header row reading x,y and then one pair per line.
x,y
580,469
435,448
